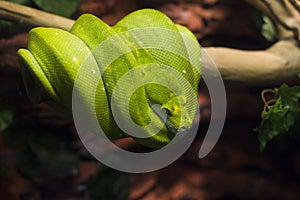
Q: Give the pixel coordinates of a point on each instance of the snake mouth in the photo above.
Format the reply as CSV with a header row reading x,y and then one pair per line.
x,y
163,115
179,131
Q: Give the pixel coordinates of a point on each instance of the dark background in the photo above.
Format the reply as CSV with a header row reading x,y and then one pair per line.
x,y
235,169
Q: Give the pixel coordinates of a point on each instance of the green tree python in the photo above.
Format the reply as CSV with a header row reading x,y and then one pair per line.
x,y
146,46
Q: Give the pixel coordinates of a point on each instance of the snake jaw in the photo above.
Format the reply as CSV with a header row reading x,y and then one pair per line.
x,y
177,131
156,108
164,115
167,117
182,130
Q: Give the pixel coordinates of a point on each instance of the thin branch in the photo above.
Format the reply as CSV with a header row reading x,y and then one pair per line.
x,y
296,5
268,103
24,14
280,20
272,66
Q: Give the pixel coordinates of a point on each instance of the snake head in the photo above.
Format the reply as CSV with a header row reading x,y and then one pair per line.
x,y
174,114
178,120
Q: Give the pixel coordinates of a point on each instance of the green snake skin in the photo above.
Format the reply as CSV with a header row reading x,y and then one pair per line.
x,y
142,39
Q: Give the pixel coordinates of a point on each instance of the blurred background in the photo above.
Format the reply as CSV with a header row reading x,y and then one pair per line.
x,y
41,156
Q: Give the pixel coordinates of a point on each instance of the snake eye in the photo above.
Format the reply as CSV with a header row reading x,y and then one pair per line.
x,y
166,111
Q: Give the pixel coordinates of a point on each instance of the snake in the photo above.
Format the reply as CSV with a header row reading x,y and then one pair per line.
x,y
147,69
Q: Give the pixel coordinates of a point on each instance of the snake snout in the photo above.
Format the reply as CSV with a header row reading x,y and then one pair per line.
x,y
179,131
182,130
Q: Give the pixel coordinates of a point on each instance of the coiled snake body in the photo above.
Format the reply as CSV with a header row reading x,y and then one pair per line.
x,y
144,47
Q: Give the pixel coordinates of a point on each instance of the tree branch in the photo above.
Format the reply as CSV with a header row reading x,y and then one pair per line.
x,y
23,14
273,65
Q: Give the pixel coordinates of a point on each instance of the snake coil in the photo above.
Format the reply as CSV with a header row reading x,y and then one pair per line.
x,y
146,70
